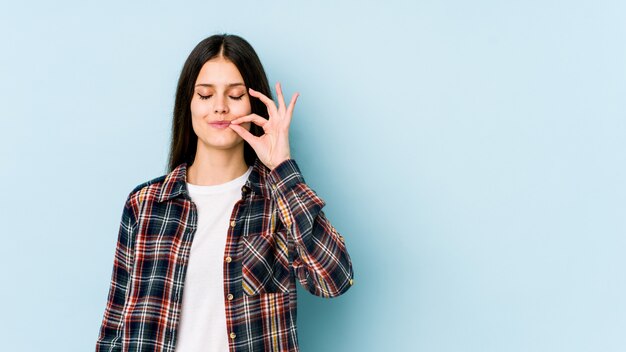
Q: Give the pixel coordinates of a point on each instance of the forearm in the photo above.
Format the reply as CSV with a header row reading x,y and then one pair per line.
x,y
322,263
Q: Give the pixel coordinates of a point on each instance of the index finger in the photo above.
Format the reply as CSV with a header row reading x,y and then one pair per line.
x,y
271,107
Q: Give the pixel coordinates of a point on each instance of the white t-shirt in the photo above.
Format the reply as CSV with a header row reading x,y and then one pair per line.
x,y
203,313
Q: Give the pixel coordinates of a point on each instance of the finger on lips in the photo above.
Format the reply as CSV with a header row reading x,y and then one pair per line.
x,y
258,120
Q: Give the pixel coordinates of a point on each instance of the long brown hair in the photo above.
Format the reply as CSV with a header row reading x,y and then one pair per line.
x,y
237,50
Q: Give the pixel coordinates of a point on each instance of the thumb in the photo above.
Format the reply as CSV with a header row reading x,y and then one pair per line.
x,y
245,134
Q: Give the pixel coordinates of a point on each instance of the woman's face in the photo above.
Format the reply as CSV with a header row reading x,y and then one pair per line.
x,y
219,95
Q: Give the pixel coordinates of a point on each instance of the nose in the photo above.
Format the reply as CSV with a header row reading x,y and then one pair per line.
x,y
220,106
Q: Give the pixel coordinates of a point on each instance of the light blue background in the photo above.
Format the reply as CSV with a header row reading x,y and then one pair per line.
x,y
471,153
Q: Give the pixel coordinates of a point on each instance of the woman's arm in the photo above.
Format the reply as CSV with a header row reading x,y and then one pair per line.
x,y
321,263
109,338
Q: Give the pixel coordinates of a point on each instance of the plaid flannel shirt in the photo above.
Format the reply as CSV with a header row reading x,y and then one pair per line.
x,y
278,232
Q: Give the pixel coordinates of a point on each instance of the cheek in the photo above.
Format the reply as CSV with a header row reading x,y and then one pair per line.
x,y
197,108
241,108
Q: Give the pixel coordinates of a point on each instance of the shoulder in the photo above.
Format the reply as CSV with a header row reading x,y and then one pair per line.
x,y
147,190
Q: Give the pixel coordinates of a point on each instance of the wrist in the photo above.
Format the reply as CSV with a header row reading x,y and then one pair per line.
x,y
279,162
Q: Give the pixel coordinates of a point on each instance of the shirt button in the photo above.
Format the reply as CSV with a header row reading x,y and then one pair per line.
x,y
232,223
273,186
232,335
228,259
230,297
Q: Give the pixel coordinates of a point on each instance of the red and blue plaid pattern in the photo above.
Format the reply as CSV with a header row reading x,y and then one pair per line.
x,y
278,232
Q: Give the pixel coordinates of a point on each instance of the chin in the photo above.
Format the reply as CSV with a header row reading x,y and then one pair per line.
x,y
222,143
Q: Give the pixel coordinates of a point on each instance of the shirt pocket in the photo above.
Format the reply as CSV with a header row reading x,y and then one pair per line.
x,y
265,262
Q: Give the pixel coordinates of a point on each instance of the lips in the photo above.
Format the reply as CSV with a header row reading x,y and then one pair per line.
x,y
220,124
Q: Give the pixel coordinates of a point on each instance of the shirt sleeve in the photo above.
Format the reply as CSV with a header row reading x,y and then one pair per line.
x,y
321,262
110,334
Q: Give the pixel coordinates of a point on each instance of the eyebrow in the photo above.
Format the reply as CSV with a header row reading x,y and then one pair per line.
x,y
211,85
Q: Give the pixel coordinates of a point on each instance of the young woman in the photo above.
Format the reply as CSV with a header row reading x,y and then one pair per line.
x,y
207,254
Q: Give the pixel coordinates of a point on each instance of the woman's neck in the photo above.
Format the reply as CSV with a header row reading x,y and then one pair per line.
x,y
216,166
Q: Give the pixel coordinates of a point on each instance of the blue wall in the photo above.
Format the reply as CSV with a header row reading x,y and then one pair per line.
x,y
471,153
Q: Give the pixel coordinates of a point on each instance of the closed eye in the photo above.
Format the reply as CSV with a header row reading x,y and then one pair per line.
x,y
204,97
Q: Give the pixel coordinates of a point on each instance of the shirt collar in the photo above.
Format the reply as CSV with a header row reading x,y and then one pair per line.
x,y
175,183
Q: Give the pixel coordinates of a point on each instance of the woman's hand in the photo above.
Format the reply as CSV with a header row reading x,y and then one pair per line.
x,y
272,148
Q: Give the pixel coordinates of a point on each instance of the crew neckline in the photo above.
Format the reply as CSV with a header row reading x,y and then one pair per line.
x,y
228,185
